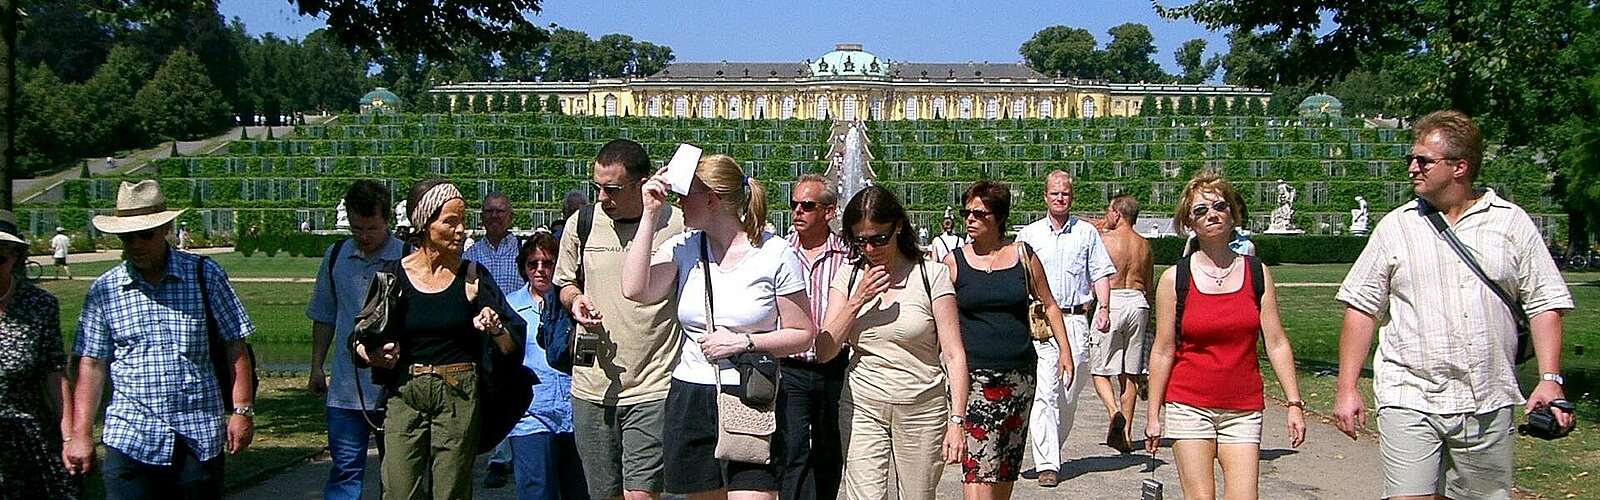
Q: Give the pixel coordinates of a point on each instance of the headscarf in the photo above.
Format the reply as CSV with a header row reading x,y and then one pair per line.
x,y
425,209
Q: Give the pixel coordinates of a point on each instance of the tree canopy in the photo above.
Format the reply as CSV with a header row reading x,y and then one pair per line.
x,y
1073,52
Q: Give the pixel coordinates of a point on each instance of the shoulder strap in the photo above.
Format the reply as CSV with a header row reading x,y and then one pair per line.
x,y
926,286
472,281
333,257
1025,257
205,298
1517,313
1181,288
1258,277
850,287
705,272
585,226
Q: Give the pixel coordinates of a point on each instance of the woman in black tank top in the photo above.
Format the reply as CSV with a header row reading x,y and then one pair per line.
x,y
992,281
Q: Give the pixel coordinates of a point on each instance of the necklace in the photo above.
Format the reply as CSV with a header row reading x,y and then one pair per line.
x,y
1225,273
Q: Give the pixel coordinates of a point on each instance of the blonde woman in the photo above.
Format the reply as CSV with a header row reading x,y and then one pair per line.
x,y
1205,382
758,300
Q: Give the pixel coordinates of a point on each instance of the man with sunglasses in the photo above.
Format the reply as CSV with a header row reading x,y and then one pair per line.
x,y
498,253
1444,376
812,458
353,401
618,399
1078,270
145,325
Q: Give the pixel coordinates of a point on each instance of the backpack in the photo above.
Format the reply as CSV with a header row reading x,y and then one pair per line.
x,y
1258,284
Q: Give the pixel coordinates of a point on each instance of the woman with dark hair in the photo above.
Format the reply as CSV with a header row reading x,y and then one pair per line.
x,y
898,314
449,339
35,401
546,463
994,279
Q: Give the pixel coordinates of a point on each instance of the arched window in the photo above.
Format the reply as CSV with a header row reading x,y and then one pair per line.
x,y
708,107
991,108
964,110
1019,108
680,107
655,106
611,105
822,107
1088,107
938,108
787,111
910,108
875,110
1047,108
849,108
761,108
733,108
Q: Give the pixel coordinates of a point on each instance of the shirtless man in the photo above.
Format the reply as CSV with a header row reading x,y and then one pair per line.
x,y
1123,351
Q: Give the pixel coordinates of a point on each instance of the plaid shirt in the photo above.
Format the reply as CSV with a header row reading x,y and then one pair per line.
x,y
819,276
501,261
155,338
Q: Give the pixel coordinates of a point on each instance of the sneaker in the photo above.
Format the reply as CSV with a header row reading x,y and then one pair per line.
x,y
498,476
1047,479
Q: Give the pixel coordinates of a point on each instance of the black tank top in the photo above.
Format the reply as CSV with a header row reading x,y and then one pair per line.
x,y
994,316
438,327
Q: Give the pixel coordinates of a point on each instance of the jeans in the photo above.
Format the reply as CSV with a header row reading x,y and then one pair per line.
x,y
348,435
812,458
547,467
188,477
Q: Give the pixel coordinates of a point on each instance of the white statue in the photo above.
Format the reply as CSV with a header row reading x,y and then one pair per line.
x,y
1283,216
400,217
1359,218
342,217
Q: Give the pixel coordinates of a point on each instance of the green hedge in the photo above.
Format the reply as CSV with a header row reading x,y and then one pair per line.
x,y
294,244
1274,249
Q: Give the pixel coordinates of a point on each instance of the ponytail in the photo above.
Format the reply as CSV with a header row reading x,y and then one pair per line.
x,y
755,214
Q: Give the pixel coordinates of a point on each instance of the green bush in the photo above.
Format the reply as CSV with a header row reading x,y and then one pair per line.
x,y
1275,249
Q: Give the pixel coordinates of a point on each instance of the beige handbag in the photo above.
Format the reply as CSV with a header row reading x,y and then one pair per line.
x,y
744,433
1038,327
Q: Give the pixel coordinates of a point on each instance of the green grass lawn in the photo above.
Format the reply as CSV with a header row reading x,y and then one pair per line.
x,y
256,266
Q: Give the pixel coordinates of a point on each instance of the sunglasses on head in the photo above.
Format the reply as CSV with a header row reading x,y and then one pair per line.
x,y
876,240
806,206
1202,209
145,235
981,214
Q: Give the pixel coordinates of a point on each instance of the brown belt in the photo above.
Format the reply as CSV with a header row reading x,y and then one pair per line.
x,y
446,372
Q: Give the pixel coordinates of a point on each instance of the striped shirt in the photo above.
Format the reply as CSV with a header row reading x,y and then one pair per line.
x,y
160,360
501,261
819,276
1446,343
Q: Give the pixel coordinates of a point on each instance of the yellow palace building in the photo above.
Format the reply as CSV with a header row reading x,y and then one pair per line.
x,y
847,83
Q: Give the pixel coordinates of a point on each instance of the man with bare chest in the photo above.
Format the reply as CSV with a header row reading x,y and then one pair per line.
x,y
1118,356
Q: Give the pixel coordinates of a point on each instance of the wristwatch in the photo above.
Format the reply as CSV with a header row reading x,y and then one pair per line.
x,y
248,411
958,419
1553,377
750,343
1296,403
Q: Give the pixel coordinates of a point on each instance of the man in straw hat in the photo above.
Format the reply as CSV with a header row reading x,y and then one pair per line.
x,y
149,324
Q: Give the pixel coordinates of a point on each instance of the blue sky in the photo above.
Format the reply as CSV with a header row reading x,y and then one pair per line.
x,y
715,30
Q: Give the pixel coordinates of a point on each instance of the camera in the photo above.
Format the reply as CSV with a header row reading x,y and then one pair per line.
x,y
1542,422
585,347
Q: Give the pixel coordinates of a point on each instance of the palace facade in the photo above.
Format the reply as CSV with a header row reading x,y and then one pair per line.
x,y
847,83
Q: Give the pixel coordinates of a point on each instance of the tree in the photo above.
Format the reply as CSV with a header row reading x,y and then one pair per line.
x,y
332,76
1148,106
1202,106
480,103
513,103
1064,51
1191,60
1186,106
613,55
1128,54
110,92
1251,60
54,122
61,34
1254,108
569,57
180,101
649,58
552,105
1166,107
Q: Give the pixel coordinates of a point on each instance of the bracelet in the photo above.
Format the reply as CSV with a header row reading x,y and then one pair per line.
x,y
1296,403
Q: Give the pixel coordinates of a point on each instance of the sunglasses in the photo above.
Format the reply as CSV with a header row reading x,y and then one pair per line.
x,y
807,206
540,263
1424,160
876,240
145,235
981,214
612,188
1201,210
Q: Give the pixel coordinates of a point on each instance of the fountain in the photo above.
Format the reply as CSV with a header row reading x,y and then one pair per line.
x,y
849,159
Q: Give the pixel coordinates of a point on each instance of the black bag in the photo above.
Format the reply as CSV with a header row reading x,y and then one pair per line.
x,y
221,366
1518,315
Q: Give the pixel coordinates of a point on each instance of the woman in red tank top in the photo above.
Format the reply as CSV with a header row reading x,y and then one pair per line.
x,y
1205,383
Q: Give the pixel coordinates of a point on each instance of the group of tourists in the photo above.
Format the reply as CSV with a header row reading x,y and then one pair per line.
x,y
661,340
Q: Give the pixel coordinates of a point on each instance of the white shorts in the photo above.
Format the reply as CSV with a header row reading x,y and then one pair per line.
x,y
1181,421
1125,347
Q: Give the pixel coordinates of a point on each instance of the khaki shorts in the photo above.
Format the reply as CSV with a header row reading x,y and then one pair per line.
x,y
1125,347
1181,421
1458,455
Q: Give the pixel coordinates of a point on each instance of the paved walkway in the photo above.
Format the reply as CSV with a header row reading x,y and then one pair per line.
x,y
1328,466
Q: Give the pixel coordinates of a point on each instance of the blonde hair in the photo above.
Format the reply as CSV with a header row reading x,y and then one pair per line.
x,y
1208,181
1460,135
741,196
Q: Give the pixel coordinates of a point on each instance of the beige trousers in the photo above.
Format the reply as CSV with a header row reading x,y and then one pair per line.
x,y
907,438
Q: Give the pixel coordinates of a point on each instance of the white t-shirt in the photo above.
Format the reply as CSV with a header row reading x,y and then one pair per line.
x,y
944,245
60,243
745,297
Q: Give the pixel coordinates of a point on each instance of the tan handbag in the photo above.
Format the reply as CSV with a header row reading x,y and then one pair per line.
x,y
1038,326
744,433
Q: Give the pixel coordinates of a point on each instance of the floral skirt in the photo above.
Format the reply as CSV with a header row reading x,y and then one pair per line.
x,y
997,425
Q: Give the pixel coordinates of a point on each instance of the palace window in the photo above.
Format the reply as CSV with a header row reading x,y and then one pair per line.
x,y
938,108
787,111
822,107
991,108
708,107
1047,108
611,105
655,106
875,109
761,108
733,108
964,110
1019,108
1088,107
680,107
849,108
911,108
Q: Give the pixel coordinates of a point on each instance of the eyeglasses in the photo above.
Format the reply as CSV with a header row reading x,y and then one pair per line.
x,y
981,214
1425,161
876,240
613,188
539,264
807,206
146,235
1201,210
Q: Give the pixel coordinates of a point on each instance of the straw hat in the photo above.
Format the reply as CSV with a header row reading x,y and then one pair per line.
x,y
8,229
139,207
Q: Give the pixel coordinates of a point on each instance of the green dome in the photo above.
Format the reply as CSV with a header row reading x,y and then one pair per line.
x,y
380,98
1320,105
848,60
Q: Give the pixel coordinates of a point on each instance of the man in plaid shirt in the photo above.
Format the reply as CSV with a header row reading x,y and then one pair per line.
x,y
145,324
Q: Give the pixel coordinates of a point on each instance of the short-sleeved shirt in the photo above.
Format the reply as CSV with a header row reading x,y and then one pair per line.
x,y
894,355
944,244
60,244
352,271
1446,343
819,276
744,297
154,337
639,341
1073,258
550,411
500,260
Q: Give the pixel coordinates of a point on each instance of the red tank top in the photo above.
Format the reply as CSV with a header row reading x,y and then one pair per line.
x,y
1215,365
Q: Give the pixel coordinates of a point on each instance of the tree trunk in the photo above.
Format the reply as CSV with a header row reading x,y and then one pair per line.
x,y
8,98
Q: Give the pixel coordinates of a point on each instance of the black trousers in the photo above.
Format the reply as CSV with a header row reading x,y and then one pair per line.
x,y
808,399
188,477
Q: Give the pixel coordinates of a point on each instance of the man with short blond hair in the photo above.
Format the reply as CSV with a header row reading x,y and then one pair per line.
x,y
1445,375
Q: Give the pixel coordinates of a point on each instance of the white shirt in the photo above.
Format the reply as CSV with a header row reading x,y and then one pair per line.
x,y
60,243
745,295
1073,257
944,244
